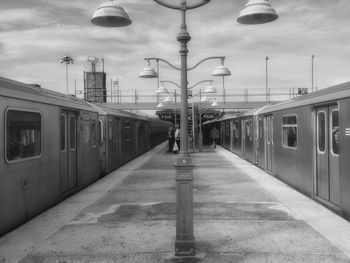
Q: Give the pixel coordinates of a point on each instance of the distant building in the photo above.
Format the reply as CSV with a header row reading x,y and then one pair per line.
x,y
95,87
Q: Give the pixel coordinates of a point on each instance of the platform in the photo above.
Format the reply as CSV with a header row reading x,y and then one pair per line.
x,y
241,214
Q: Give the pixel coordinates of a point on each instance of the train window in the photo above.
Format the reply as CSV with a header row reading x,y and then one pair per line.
x,y
93,134
272,130
141,129
127,133
335,131
72,132
321,131
100,129
63,132
23,134
237,129
251,129
247,128
110,130
290,131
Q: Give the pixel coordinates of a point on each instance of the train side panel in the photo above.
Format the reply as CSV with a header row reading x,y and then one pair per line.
x,y
294,164
27,185
88,160
344,109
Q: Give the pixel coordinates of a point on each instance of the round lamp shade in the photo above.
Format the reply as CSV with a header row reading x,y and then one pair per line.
x,y
204,99
257,12
148,73
110,14
167,99
221,71
210,89
162,89
214,104
160,105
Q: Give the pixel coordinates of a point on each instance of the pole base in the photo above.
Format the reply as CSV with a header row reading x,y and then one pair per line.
x,y
184,248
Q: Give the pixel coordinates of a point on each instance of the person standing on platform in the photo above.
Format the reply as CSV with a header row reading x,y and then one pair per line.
x,y
171,138
177,139
214,135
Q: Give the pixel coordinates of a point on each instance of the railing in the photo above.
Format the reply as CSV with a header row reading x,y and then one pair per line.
x,y
136,97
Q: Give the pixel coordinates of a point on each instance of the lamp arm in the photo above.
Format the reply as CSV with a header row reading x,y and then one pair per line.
x,y
208,80
178,7
172,6
202,2
169,81
209,58
163,60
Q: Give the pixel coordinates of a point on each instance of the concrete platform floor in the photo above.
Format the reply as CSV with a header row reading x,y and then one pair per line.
x,y
241,214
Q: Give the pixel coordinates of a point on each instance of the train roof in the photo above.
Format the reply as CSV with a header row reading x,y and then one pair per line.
x,y
324,95
106,109
31,92
252,112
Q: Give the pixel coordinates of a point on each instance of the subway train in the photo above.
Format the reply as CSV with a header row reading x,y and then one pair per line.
x,y
54,145
304,141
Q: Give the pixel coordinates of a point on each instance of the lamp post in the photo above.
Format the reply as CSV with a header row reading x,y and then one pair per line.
x,y
67,60
312,72
112,15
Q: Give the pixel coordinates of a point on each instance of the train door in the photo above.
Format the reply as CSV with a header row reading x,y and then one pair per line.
x,y
112,144
261,143
268,123
243,128
68,160
116,141
327,154
231,135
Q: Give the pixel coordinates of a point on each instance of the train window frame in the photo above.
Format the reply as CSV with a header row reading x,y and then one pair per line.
x,y
331,138
18,160
127,130
290,126
317,132
100,123
93,133
251,135
65,133
237,129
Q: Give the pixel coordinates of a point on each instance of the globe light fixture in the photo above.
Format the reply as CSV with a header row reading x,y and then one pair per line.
x,y
204,99
167,99
257,12
110,14
160,105
214,104
148,72
162,89
221,71
210,89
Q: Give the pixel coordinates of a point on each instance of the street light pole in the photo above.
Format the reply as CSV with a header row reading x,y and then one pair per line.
x,y
67,60
112,15
312,72
267,90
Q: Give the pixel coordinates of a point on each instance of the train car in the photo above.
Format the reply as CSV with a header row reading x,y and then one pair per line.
x,y
123,136
49,150
54,145
158,131
304,142
239,134
308,142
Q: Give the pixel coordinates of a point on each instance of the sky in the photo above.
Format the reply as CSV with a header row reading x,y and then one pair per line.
x,y
36,34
